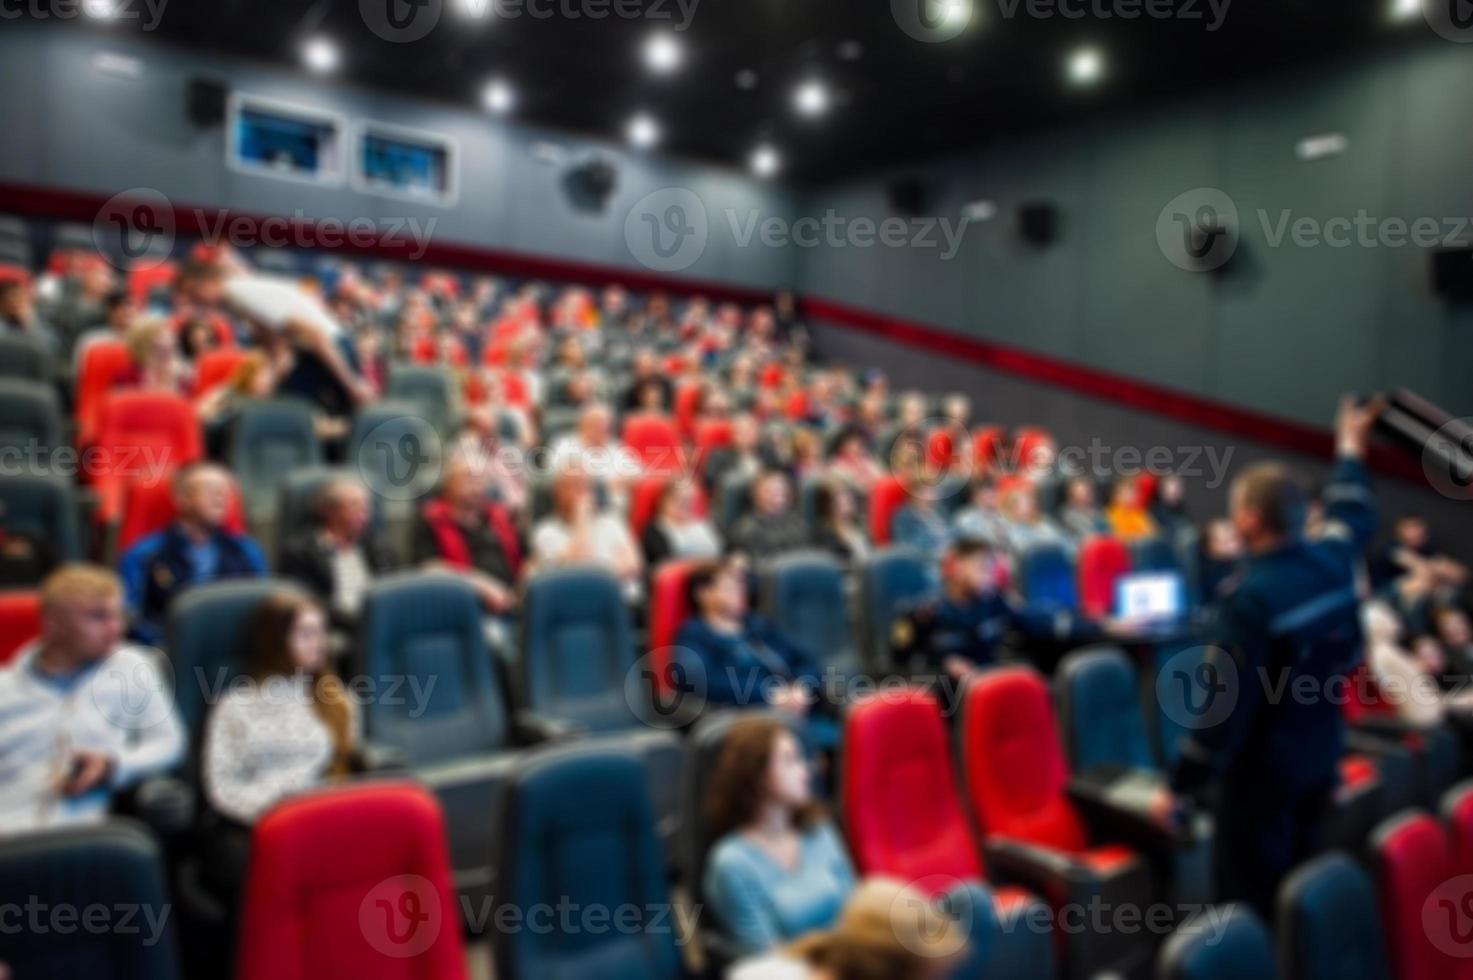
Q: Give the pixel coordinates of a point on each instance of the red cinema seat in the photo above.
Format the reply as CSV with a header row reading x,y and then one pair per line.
x,y
1457,813
1423,910
1017,781
987,444
645,501
885,499
904,818
217,367
142,436
20,621
669,609
143,281
148,506
1103,560
712,434
1033,449
351,882
654,442
688,399
104,361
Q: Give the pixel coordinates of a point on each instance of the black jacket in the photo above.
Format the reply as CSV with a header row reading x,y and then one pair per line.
x,y
309,561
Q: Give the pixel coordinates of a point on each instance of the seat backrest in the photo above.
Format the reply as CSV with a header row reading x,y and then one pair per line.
x,y
20,621
654,441
644,501
892,579
1046,576
804,596
733,499
1012,762
712,434
351,881
1100,712
24,357
270,438
207,640
577,648
1102,561
297,497
44,506
104,360
903,815
423,632
1222,942
1154,554
1328,925
1173,697
30,416
148,506
669,609
430,389
886,498
1411,861
114,866
577,829
1457,813
138,421
216,367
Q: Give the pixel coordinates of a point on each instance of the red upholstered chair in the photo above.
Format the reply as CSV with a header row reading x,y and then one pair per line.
x,y
904,818
215,368
987,445
645,501
654,442
103,362
1033,448
1017,783
687,408
142,436
1102,562
143,281
712,434
885,499
669,609
1422,917
148,506
351,882
20,621
1457,813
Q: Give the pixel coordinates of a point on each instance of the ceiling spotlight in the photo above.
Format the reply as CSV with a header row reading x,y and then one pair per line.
x,y
498,97
765,161
746,79
662,54
811,99
100,9
476,9
320,55
1405,9
1085,66
643,131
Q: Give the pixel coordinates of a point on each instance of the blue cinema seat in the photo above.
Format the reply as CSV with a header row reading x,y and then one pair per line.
x,y
576,831
892,579
1329,926
804,596
1220,943
1046,576
114,867
44,506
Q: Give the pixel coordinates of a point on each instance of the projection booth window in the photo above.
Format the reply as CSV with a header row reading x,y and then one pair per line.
x,y
275,139
406,163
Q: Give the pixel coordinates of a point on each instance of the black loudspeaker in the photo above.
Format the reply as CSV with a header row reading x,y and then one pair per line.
x,y
1452,274
590,183
1038,223
205,101
907,196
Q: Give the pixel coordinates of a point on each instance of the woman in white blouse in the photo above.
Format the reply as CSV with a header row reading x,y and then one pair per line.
x,y
287,724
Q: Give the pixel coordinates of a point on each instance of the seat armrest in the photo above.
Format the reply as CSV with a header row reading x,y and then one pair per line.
x,y
1119,808
377,759
164,803
1041,870
529,728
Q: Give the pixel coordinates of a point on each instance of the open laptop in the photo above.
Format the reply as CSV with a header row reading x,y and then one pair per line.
x,y
1155,600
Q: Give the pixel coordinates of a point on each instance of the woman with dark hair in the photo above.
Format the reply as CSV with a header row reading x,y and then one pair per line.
x,y
778,870
837,529
287,725
676,530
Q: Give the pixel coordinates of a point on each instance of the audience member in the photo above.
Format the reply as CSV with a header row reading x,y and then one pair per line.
x,y
1081,514
1129,518
577,532
676,530
466,533
338,561
838,529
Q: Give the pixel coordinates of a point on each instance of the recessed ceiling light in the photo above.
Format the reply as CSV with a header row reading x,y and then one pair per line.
x,y
811,98
851,50
100,9
320,55
955,13
476,9
662,54
746,79
643,131
1086,66
498,97
1405,9
765,161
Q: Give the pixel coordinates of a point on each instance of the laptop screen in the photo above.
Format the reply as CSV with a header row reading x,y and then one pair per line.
x,y
1150,596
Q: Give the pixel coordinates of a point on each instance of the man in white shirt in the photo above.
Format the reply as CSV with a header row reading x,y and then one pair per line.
x,y
81,717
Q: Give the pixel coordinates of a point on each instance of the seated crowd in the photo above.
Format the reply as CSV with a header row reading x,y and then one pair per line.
x,y
760,452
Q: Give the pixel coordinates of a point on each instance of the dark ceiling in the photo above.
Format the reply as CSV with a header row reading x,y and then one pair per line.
x,y
899,100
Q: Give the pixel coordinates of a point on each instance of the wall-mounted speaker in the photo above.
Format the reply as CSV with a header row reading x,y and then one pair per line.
x,y
908,196
1038,223
204,100
590,183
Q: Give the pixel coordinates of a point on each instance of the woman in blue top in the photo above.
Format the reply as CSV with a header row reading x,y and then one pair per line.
x,y
778,870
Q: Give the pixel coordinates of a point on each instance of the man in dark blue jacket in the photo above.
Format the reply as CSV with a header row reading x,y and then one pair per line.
x,y
1287,635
